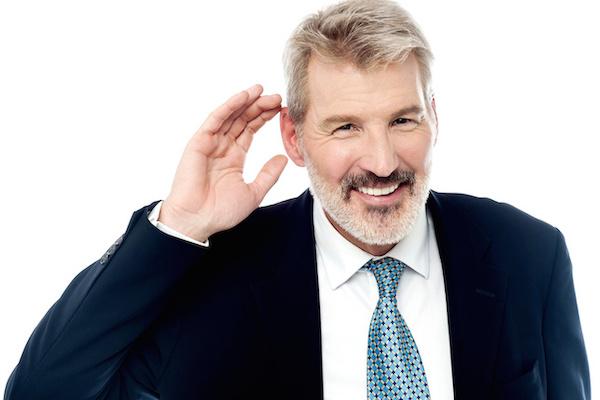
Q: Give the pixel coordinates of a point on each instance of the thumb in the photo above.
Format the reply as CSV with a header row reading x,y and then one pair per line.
x,y
268,175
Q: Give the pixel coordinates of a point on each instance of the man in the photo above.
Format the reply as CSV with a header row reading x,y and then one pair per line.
x,y
370,286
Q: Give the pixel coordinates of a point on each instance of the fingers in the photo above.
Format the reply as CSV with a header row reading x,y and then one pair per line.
x,y
268,175
235,104
254,94
245,138
264,103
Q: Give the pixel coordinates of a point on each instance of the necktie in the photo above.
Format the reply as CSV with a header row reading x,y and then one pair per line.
x,y
394,367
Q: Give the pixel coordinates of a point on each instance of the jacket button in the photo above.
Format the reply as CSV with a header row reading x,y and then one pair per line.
x,y
110,250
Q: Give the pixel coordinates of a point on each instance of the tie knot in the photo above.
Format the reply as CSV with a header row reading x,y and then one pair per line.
x,y
387,272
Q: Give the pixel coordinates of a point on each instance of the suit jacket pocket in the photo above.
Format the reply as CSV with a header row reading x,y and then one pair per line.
x,y
525,387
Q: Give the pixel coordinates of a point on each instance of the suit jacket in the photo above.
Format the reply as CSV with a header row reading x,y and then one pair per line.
x,y
159,317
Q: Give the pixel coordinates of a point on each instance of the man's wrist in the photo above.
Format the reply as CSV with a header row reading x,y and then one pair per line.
x,y
167,217
153,218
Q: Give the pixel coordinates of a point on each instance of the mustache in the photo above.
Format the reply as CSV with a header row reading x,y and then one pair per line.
x,y
399,176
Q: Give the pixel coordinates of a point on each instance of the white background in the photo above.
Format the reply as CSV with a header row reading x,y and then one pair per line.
x,y
98,99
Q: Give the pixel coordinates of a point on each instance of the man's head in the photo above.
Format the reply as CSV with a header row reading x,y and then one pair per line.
x,y
361,116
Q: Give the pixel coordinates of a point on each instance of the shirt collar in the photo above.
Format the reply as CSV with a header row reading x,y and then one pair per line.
x,y
343,259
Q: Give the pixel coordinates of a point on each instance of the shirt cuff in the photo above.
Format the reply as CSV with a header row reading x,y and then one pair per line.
x,y
153,218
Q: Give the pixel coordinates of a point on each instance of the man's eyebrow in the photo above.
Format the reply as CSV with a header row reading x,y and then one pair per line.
x,y
341,118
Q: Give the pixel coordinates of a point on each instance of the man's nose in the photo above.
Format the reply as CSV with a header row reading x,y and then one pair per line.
x,y
379,154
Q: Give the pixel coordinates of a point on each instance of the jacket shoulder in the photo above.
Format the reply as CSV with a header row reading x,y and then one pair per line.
x,y
498,219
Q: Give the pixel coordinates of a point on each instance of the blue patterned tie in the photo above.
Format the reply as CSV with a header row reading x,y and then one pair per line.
x,y
394,368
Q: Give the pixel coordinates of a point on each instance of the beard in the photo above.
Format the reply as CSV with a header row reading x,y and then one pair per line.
x,y
374,225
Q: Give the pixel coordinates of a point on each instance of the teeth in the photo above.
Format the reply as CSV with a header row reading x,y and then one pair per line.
x,y
378,191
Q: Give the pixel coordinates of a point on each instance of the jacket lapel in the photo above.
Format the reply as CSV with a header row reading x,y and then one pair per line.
x,y
288,303
288,300
475,294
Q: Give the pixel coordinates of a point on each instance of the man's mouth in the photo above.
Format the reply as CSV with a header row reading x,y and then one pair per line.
x,y
373,188
383,194
378,191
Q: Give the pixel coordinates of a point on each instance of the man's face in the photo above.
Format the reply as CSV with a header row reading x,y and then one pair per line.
x,y
367,143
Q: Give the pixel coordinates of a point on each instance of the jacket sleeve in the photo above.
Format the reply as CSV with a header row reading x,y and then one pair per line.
x,y
78,348
567,368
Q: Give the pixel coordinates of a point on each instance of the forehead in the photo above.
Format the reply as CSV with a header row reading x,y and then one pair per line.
x,y
335,87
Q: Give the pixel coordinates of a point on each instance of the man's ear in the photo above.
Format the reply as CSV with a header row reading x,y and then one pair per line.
x,y
290,137
436,118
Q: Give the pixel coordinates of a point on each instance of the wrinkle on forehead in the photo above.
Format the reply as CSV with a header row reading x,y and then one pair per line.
x,y
342,88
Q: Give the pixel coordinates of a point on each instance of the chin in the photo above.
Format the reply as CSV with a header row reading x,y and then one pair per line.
x,y
379,225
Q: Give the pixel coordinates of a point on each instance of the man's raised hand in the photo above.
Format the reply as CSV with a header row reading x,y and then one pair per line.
x,y
208,193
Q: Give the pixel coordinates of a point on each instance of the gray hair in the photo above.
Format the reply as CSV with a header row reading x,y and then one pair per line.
x,y
366,33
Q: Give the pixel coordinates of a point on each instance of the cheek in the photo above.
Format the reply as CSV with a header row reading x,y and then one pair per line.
x,y
416,152
334,160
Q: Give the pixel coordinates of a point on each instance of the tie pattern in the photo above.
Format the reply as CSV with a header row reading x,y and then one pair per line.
x,y
394,367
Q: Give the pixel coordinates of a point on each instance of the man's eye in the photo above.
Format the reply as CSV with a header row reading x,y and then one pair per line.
x,y
402,121
346,127
405,124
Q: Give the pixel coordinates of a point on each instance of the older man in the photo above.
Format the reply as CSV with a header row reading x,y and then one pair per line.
x,y
370,286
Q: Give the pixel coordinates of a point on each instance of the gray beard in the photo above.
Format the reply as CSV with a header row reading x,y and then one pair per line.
x,y
374,225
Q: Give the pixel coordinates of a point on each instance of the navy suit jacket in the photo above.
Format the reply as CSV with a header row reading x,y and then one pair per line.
x,y
159,317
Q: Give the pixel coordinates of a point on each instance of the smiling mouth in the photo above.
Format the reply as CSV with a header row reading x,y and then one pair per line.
x,y
376,188
384,191
382,196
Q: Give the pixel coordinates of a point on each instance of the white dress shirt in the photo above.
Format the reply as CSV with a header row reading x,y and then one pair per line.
x,y
348,296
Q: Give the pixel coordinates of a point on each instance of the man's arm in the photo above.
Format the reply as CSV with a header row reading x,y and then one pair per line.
x,y
566,361
78,347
